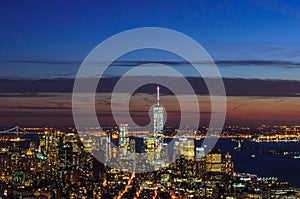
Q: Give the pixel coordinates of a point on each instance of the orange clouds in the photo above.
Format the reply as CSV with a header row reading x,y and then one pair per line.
x,y
56,109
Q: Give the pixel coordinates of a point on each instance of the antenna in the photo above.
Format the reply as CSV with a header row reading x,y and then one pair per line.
x,y
157,88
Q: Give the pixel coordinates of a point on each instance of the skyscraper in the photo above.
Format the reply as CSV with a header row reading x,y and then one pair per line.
x,y
214,161
132,146
149,147
228,164
200,153
123,138
158,119
185,147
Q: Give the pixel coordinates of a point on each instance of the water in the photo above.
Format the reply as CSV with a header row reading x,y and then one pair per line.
x,y
23,144
264,165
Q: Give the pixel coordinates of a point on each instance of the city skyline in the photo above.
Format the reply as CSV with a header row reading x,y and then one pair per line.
x,y
69,169
150,99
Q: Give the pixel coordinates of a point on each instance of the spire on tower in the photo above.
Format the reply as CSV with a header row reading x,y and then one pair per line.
x,y
157,88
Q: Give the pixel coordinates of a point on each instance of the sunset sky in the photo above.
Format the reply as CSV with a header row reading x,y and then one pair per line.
x,y
255,45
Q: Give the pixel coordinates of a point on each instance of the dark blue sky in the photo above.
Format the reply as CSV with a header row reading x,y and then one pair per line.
x,y
68,30
247,39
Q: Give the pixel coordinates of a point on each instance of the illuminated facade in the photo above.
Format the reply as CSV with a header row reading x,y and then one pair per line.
x,y
189,149
200,153
132,146
123,138
149,147
214,161
185,147
158,119
228,164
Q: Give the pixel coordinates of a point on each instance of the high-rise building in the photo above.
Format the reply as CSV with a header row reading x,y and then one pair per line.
x,y
200,153
228,164
89,144
132,146
123,138
149,147
176,151
185,147
149,144
189,149
65,156
158,118
108,147
214,161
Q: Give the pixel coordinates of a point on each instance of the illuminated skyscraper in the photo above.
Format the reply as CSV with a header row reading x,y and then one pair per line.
x,y
214,161
228,164
149,147
123,138
158,119
200,153
108,147
132,146
189,149
185,147
149,144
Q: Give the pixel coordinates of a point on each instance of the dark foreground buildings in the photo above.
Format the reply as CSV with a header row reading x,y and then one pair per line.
x,y
57,165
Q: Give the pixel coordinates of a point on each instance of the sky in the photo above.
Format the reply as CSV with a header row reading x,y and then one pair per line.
x,y
256,42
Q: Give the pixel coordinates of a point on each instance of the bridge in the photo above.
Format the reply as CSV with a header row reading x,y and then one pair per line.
x,y
17,130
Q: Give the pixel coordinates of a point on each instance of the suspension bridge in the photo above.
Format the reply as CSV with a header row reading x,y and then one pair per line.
x,y
17,130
